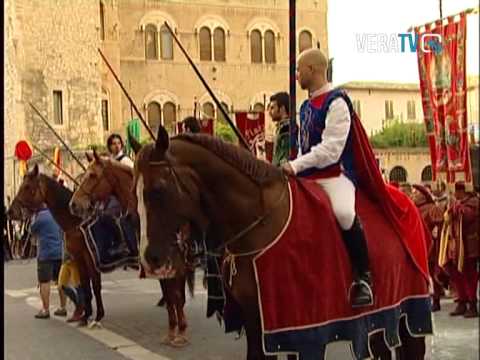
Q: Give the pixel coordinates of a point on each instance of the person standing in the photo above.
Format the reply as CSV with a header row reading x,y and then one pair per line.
x,y
49,256
278,110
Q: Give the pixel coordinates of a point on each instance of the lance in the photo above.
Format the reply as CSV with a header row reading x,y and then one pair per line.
x,y
150,132
293,85
54,164
209,90
58,137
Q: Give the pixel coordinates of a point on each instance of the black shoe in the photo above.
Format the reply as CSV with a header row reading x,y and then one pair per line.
x,y
360,293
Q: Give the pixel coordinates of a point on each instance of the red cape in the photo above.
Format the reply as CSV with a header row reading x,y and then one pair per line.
x,y
399,209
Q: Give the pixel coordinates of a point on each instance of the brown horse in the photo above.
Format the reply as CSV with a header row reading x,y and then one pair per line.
x,y
237,200
105,178
432,208
37,189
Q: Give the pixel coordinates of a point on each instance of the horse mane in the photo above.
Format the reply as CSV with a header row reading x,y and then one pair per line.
x,y
241,159
63,194
423,190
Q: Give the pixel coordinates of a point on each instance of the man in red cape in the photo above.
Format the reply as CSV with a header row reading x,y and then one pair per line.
x,y
334,151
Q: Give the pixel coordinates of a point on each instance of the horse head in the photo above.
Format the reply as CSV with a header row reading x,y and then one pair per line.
x,y
94,186
32,193
167,198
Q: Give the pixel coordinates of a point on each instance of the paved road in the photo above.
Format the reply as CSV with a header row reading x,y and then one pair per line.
x,y
133,326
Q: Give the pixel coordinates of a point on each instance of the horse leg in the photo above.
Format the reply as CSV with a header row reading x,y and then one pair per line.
x,y
85,284
254,338
380,350
179,291
172,316
97,290
413,348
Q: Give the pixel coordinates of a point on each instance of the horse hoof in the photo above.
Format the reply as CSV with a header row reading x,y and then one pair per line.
x,y
167,339
179,341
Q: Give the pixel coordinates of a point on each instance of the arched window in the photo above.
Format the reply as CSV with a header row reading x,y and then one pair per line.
x,y
205,44
256,46
169,117
219,44
208,111
270,47
258,107
305,41
102,21
398,174
151,41
166,44
427,174
220,116
154,116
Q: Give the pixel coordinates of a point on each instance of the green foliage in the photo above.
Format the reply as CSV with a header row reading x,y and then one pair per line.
x,y
398,134
224,132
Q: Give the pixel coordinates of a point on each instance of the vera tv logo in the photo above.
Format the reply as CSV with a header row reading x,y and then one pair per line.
x,y
428,42
399,43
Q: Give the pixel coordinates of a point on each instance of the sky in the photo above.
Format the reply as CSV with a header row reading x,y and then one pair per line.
x,y
350,20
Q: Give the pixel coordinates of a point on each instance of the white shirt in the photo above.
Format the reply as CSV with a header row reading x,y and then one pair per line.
x,y
334,136
125,161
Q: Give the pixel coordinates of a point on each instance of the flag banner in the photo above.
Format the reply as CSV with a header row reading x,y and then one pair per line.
x,y
442,71
252,126
133,128
58,161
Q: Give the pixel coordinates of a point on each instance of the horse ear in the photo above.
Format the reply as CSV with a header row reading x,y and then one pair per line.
x,y
136,146
89,157
35,170
162,140
96,157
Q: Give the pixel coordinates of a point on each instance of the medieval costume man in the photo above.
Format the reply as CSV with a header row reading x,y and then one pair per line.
x,y
459,249
326,154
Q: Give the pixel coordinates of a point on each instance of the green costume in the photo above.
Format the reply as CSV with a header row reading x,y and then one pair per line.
x,y
281,142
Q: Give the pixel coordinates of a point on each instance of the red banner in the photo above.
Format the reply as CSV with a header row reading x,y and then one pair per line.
x,y
205,124
252,126
442,70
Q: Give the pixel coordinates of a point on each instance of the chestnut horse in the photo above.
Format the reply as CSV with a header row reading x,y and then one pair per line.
x,y
432,208
105,177
37,189
233,197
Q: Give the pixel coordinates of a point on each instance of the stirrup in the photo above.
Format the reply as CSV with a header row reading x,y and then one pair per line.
x,y
369,289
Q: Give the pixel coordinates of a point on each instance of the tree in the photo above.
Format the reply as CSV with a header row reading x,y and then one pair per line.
x,y
399,134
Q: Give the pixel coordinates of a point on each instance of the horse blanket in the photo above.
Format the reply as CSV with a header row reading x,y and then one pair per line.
x,y
102,232
303,278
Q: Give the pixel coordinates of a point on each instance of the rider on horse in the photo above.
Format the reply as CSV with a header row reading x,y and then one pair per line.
x,y
326,154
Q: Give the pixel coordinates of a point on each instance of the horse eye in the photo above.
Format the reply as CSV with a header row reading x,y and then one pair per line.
x,y
93,175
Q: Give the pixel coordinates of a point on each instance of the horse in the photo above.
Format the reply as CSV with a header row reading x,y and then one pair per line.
x,y
105,178
241,204
37,189
432,208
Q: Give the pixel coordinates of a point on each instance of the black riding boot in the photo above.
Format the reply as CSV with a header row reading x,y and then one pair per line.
x,y
360,292
119,247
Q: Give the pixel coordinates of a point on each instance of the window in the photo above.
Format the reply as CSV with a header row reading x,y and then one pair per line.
x,y
398,174
151,41
220,116
411,110
208,110
57,107
305,41
357,107
270,47
427,174
205,44
105,119
166,44
154,116
169,117
219,44
256,46
102,21
258,107
388,109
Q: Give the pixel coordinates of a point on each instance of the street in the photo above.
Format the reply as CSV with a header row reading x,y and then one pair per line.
x,y
134,325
